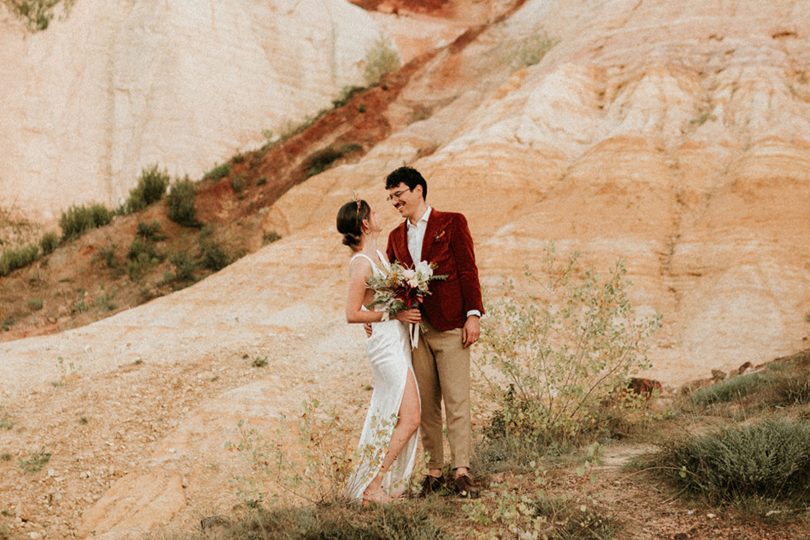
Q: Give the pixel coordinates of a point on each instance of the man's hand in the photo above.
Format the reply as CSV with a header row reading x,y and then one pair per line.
x,y
367,328
471,331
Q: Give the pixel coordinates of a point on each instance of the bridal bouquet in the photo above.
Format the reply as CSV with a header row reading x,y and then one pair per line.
x,y
402,288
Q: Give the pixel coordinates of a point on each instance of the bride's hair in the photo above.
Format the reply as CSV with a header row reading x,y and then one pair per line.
x,y
350,221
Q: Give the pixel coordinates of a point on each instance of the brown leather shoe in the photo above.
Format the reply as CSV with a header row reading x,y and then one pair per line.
x,y
464,487
430,485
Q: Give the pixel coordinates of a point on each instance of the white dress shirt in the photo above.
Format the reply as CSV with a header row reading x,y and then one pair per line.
x,y
416,237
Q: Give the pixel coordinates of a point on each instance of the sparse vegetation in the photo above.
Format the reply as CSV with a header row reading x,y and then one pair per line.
x,y
16,258
339,521
35,304
767,460
150,232
218,172
108,255
346,93
259,362
180,203
703,118
48,243
184,266
320,161
77,220
105,302
238,184
36,14
142,255
558,357
35,462
5,422
151,187
270,237
381,59
261,181
531,50
212,253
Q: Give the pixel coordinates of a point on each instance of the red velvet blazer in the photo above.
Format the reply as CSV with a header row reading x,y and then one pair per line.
x,y
448,244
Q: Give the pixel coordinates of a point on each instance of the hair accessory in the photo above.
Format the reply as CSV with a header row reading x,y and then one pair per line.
x,y
356,199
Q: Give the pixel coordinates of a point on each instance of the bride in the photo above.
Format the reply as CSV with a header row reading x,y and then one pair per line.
x,y
387,449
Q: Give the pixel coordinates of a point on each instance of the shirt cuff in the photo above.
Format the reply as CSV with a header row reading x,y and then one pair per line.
x,y
474,312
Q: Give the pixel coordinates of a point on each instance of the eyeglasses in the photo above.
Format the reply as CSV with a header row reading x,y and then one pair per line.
x,y
397,195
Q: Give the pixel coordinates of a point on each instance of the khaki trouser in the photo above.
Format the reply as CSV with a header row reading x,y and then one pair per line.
x,y
442,369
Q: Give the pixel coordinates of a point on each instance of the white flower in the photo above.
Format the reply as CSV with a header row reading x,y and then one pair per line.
x,y
424,270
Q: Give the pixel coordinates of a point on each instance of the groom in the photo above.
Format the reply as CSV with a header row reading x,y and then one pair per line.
x,y
450,319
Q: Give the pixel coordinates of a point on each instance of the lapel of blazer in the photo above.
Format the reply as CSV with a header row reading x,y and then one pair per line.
x,y
434,225
403,253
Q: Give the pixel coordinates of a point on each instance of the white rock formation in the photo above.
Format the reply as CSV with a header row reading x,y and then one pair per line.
x,y
119,84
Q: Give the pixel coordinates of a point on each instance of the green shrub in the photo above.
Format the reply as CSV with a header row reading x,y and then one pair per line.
x,y
270,237
150,188
530,51
261,181
48,243
35,304
77,220
218,172
238,184
382,58
180,203
35,461
184,266
36,14
558,357
212,253
728,389
346,93
15,258
338,521
320,161
142,256
151,231
769,460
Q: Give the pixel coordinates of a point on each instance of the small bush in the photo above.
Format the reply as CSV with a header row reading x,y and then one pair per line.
x,y
321,160
150,188
346,94
151,231
212,253
180,203
48,243
105,302
5,422
16,258
728,389
338,521
259,362
559,356
184,266
270,237
238,184
261,181
218,172
769,460
77,220
108,255
36,14
35,304
531,50
35,461
382,58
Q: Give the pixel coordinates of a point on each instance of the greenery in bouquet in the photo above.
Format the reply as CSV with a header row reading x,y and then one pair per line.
x,y
400,288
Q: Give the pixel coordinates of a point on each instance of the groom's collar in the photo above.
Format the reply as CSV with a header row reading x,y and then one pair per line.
x,y
424,218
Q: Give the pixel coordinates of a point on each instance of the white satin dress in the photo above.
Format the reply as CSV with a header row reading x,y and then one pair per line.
x,y
389,353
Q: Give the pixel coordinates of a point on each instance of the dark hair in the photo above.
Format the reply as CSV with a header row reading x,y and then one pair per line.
x,y
408,176
350,221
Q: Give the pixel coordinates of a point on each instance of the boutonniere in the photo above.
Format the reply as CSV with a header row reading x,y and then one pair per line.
x,y
438,236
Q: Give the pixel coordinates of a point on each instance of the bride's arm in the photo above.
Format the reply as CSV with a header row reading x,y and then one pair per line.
x,y
359,272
